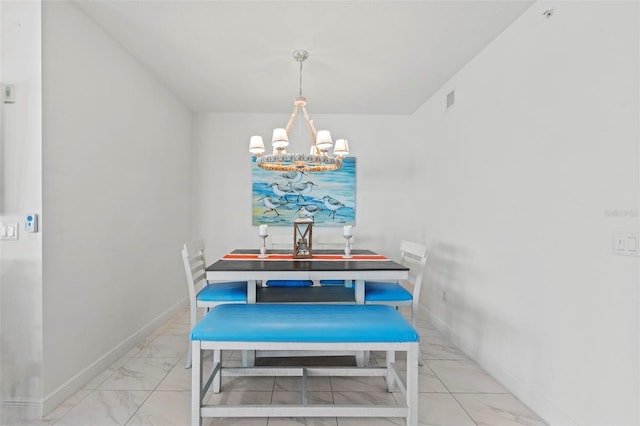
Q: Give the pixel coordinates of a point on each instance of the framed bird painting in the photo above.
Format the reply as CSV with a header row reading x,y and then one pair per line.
x,y
328,198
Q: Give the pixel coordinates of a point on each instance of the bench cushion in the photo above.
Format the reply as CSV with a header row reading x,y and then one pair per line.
x,y
304,323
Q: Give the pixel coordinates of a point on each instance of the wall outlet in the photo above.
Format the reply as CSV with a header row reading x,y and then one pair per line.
x,y
8,93
625,243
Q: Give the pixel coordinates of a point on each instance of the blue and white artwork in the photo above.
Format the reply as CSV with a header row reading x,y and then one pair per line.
x,y
329,198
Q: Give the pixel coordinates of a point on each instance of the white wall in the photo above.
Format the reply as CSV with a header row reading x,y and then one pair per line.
x,y
116,149
513,189
20,192
517,190
222,178
526,178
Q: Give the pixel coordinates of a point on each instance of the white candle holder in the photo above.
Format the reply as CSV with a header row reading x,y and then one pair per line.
x,y
347,247
263,248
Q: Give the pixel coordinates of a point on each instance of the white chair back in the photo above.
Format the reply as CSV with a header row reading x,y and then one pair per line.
x,y
194,266
414,256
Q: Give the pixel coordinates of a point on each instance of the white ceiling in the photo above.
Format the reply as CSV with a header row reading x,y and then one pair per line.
x,y
366,57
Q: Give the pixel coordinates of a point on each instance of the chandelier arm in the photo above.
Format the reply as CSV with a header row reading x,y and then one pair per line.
x,y
294,114
310,125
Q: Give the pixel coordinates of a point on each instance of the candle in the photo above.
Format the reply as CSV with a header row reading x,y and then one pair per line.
x,y
263,230
347,231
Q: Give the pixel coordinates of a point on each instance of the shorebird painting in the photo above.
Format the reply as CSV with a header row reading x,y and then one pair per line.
x,y
282,190
308,210
332,204
328,198
272,204
293,177
301,189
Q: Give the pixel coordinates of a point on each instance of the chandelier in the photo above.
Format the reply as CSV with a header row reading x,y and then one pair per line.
x,y
318,159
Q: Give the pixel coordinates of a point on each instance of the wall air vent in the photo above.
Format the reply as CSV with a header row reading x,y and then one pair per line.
x,y
451,98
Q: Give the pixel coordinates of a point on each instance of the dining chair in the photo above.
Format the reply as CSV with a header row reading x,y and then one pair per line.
x,y
414,256
203,294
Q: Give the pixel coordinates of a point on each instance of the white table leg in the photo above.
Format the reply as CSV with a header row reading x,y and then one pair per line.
x,y
249,357
251,291
390,360
362,358
359,292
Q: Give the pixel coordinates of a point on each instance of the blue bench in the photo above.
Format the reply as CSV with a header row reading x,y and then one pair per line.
x,y
304,327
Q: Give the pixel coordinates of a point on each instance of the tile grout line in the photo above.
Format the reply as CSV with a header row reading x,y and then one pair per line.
x,y
452,394
464,409
159,382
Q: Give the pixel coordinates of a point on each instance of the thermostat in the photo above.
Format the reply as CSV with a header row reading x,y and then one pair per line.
x,y
31,222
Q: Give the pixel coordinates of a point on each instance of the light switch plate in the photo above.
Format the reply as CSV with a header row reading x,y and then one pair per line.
x,y
8,230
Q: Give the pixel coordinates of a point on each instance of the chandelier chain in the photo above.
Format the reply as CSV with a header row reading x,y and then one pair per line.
x,y
300,93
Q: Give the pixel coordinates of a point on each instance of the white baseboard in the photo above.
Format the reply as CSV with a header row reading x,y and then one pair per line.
x,y
36,409
63,392
16,410
534,400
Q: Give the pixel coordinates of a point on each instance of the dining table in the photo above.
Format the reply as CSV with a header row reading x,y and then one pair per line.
x,y
326,264
362,265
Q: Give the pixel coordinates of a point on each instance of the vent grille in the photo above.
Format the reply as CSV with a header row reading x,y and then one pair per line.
x,y
451,98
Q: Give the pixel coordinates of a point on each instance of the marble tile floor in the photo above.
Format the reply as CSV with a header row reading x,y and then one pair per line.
x,y
149,386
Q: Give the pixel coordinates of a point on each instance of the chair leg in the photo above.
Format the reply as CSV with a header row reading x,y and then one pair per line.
x,y
188,363
414,323
194,320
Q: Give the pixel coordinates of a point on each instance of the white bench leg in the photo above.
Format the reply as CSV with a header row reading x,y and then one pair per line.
x,y
390,359
412,384
248,358
196,383
217,380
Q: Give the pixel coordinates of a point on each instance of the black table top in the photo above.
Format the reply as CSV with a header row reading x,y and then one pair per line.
x,y
305,264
